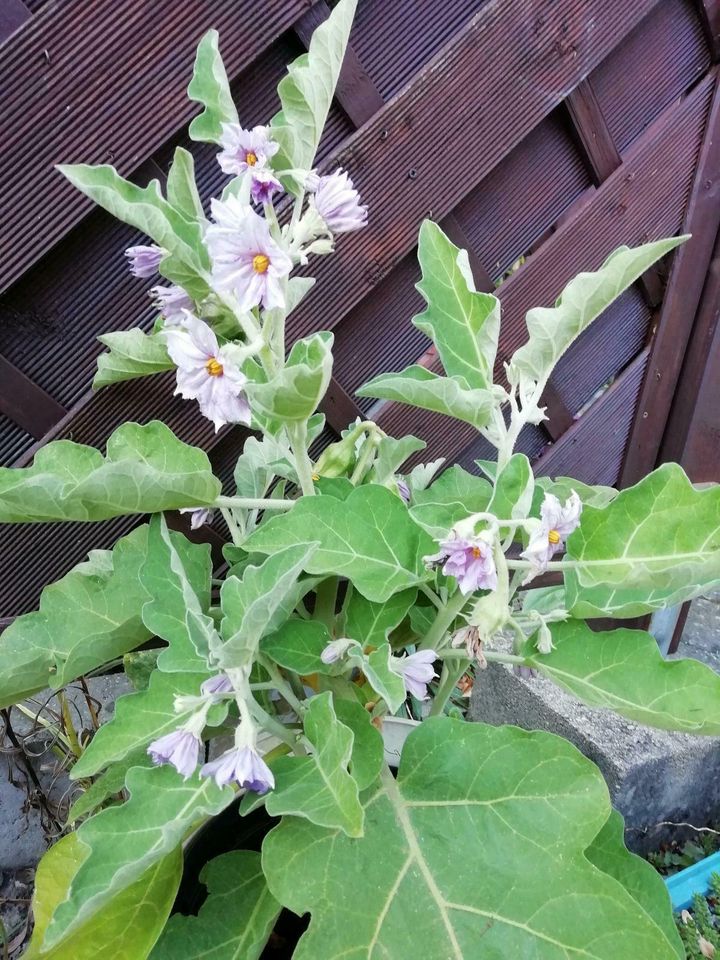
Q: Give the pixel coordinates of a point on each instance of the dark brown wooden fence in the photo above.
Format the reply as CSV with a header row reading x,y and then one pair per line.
x,y
540,133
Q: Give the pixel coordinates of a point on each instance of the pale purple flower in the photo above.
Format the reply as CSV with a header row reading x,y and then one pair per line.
x,y
172,303
181,748
403,489
264,185
245,149
338,202
144,260
336,650
469,559
417,671
246,260
199,516
206,373
218,684
557,522
242,765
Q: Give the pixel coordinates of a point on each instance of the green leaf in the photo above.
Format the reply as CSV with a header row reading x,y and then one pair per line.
x,y
609,854
419,387
655,545
391,454
367,751
147,470
463,324
141,717
319,787
144,208
514,487
126,928
210,87
182,191
624,671
177,576
138,666
133,354
259,603
107,784
294,393
452,497
297,646
385,681
477,850
370,623
90,616
552,330
562,487
307,91
421,476
368,538
235,920
122,843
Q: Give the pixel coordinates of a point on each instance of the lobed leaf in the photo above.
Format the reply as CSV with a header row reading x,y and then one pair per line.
x,y
210,87
391,454
297,646
369,538
370,623
147,470
294,393
133,353
108,784
452,497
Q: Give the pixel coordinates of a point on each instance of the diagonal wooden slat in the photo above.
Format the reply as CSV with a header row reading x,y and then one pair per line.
x,y
13,14
593,133
709,11
26,403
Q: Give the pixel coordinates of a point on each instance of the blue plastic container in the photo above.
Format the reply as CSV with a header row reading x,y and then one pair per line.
x,y
695,879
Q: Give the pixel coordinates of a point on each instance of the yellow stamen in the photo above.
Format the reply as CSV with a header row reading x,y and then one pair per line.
x,y
260,263
553,536
250,158
214,367
477,552
316,477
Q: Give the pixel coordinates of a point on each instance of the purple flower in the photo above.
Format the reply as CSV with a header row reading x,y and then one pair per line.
x,y
144,261
338,203
417,671
403,489
199,516
216,685
557,522
246,260
181,748
264,185
470,560
336,650
245,149
206,372
245,766
172,302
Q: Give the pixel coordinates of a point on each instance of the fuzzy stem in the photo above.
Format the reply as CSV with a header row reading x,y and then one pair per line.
x,y
254,503
452,670
298,441
443,621
235,531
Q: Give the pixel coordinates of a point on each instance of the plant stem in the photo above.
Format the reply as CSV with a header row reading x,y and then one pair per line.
x,y
70,732
297,436
443,621
235,531
281,685
275,727
452,670
367,458
431,595
253,503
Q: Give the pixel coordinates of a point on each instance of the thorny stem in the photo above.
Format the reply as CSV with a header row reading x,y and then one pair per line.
x,y
443,621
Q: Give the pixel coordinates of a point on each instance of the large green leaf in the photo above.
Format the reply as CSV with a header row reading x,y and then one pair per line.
x,y
477,850
308,89
552,330
462,323
419,387
234,922
609,854
142,716
133,353
653,546
513,494
182,191
147,470
126,928
297,646
320,787
624,671
210,87
452,497
260,602
144,208
177,576
294,393
561,487
369,538
89,617
122,843
370,623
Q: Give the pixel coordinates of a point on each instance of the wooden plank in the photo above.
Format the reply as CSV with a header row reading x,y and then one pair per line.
x,y
593,133
389,157
26,403
13,14
67,98
692,436
682,297
709,11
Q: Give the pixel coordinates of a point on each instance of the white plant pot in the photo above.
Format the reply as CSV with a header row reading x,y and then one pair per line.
x,y
395,731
